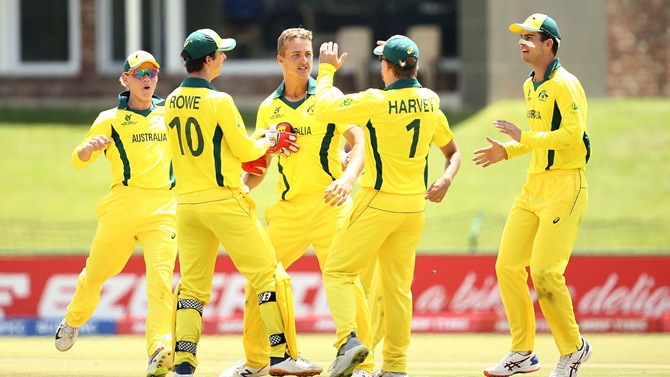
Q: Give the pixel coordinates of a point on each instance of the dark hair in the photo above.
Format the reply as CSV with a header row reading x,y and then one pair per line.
x,y
408,71
195,65
554,47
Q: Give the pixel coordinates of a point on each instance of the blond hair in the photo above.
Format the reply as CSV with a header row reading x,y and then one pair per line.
x,y
290,34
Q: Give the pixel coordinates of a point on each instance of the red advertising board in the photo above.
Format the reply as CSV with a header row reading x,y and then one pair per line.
x,y
451,294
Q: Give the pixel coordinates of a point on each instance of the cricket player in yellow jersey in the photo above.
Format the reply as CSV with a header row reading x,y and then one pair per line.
x,y
209,143
304,214
399,123
140,207
436,193
542,225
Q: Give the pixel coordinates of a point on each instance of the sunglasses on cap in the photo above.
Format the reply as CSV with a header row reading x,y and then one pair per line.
x,y
140,73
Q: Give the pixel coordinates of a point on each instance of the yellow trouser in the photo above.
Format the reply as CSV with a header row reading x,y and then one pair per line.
x,y
374,293
206,219
387,228
540,232
292,226
125,216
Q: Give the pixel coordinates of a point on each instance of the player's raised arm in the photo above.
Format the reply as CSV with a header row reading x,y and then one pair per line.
x,y
491,154
328,53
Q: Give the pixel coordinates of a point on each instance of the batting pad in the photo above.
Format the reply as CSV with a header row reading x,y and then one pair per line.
x,y
175,301
285,303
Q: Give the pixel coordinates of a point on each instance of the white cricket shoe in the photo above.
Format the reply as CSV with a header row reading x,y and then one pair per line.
x,y
348,357
160,363
243,370
361,373
568,365
513,363
66,335
381,373
295,367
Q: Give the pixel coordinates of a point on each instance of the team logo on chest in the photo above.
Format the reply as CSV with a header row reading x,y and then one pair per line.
x,y
310,110
276,114
127,121
543,96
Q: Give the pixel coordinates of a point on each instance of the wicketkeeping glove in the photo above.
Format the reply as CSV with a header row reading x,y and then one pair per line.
x,y
256,167
280,139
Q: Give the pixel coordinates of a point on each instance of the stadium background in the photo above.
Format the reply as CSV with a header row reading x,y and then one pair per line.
x,y
62,56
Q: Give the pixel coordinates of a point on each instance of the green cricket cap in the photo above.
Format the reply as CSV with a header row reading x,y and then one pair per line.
x,y
397,49
540,23
138,58
205,41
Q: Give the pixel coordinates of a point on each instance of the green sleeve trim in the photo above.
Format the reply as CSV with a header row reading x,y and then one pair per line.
x,y
122,155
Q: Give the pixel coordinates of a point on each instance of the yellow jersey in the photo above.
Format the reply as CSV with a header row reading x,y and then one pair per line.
x,y
556,109
139,153
317,163
399,122
208,137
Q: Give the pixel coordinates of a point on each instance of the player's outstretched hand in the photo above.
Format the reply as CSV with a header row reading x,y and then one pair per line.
x,y
97,143
328,53
490,155
93,144
508,128
337,192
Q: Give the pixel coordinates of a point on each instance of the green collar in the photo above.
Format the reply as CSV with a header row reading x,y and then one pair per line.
x,y
125,96
404,83
311,88
279,93
552,67
197,82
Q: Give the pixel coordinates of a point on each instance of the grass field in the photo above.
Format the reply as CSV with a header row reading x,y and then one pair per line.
x,y
54,204
54,207
448,355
